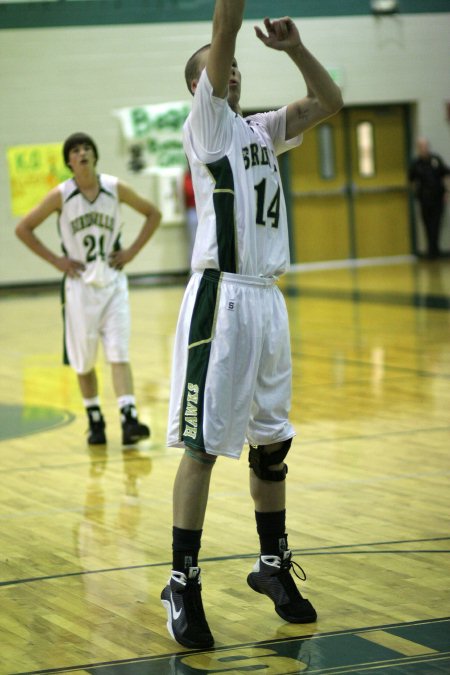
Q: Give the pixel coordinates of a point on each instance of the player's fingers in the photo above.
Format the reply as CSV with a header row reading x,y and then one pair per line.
x,y
259,33
281,30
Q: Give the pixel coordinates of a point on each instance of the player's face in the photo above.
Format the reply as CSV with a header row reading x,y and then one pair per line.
x,y
81,156
234,85
234,82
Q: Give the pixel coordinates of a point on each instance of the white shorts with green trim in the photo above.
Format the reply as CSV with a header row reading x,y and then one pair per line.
x,y
231,371
92,314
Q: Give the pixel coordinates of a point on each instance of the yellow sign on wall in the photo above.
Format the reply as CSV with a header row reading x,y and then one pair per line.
x,y
33,171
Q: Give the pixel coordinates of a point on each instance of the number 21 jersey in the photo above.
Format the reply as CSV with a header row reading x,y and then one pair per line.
x,y
89,230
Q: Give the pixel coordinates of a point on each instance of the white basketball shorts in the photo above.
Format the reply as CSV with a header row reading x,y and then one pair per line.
x,y
92,314
231,371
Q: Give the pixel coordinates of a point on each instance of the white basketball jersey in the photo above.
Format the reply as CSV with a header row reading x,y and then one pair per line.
x,y
242,221
90,231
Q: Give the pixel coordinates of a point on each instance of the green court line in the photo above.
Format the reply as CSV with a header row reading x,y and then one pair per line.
x,y
335,652
326,550
414,298
22,420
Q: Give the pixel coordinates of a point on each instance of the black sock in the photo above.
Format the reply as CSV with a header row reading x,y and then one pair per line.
x,y
185,548
271,529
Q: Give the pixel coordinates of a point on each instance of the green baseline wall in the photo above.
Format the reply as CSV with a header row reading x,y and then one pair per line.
x,y
116,12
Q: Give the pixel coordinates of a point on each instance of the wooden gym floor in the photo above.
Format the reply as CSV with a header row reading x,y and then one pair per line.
x,y
85,536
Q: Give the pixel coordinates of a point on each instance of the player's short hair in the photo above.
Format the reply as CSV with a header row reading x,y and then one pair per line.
x,y
78,138
192,69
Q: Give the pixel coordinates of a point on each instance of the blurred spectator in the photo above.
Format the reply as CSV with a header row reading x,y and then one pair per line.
x,y
427,175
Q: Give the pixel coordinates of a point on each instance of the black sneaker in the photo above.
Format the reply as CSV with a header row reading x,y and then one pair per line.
x,y
186,621
271,576
132,430
96,431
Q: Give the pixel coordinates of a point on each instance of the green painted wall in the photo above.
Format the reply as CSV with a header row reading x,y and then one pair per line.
x,y
114,12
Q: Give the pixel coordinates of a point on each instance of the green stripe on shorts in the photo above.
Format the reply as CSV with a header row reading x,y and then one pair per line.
x,y
200,337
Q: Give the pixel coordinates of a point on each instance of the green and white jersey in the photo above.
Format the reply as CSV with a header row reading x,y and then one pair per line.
x,y
90,231
242,222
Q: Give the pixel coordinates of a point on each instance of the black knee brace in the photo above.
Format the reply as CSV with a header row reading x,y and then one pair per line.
x,y
259,461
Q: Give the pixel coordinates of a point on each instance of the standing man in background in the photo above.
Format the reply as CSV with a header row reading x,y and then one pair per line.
x,y
231,378
427,173
96,304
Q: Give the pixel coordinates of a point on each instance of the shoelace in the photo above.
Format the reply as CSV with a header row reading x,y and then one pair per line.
x,y
288,564
195,605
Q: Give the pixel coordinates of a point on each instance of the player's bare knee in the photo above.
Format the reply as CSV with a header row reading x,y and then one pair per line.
x,y
267,461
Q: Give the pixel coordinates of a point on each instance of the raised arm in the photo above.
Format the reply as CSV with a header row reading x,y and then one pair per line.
x,y
323,97
227,21
152,215
25,231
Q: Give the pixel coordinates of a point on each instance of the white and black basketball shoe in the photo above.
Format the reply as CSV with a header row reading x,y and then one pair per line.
x,y
271,576
182,599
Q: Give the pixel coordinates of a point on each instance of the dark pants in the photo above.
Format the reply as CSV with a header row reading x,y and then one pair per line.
x,y
432,212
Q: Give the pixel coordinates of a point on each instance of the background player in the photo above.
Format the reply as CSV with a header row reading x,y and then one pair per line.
x,y
96,304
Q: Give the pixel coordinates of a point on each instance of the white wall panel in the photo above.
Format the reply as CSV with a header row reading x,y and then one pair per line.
x,y
59,80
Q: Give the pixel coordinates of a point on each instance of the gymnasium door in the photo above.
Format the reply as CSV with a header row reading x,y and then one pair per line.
x,y
349,187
